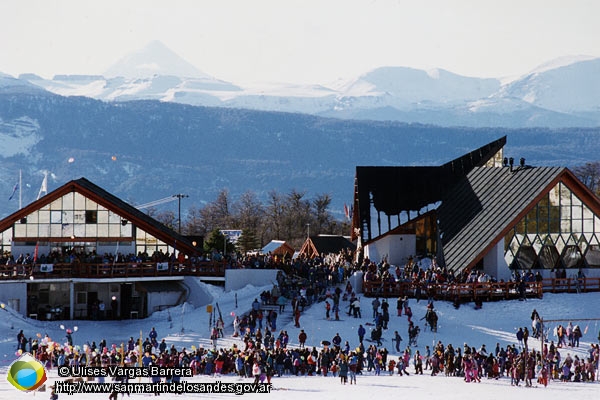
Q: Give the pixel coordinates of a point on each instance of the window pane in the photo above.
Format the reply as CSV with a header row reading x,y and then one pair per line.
x,y
44,230
79,230
56,217
44,216
68,201
32,218
576,226
79,216
126,230
67,217
91,217
91,230
56,204
588,226
79,201
114,230
553,196
56,230
32,230
102,230
114,218
102,216
20,230
90,204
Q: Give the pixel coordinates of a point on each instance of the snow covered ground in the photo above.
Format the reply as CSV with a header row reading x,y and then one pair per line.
x,y
185,326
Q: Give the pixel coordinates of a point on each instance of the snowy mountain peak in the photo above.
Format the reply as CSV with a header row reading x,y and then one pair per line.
x,y
560,62
434,73
415,85
566,85
154,59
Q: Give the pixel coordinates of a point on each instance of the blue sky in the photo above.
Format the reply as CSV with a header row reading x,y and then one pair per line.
x,y
306,41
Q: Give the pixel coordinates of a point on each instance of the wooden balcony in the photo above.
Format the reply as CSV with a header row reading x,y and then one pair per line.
x,y
487,291
116,270
571,285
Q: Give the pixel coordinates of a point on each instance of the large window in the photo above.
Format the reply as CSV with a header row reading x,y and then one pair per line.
x,y
72,216
77,223
560,231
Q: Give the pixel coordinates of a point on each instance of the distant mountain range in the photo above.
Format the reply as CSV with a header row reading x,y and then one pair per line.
x,y
147,137
561,93
146,150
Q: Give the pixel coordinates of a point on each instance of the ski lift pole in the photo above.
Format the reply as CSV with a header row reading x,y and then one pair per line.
x,y
542,338
209,310
598,348
182,317
219,310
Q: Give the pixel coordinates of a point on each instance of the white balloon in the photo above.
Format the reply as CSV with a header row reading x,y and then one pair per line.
x,y
62,327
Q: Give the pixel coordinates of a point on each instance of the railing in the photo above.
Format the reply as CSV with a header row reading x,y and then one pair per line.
x,y
571,285
484,291
115,270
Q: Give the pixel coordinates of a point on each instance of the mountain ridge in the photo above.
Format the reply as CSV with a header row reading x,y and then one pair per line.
x,y
560,93
144,150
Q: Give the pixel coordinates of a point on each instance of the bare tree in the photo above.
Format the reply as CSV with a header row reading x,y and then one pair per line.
x,y
248,215
274,214
283,217
167,218
194,224
297,214
589,174
216,215
321,215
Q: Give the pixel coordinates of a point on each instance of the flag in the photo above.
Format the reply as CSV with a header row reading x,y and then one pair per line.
x,y
35,252
116,253
14,191
346,211
44,187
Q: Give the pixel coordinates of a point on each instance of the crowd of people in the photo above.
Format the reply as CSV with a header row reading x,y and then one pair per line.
x,y
262,357
264,351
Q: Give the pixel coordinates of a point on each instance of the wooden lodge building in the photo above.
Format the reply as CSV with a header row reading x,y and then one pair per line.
x,y
481,211
82,246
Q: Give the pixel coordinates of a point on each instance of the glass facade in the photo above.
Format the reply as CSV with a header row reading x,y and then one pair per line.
x,y
496,160
80,222
559,232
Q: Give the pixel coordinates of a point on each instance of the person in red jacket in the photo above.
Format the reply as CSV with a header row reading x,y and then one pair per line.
x,y
302,338
297,317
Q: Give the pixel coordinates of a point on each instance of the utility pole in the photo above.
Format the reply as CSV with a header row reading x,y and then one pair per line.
x,y
180,196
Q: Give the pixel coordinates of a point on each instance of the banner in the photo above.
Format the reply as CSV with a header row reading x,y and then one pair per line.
x,y
46,267
232,235
162,266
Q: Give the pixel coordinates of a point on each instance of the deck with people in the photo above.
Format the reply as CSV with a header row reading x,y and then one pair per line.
x,y
484,291
111,270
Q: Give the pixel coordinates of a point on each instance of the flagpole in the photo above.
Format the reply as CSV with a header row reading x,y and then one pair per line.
x,y
20,189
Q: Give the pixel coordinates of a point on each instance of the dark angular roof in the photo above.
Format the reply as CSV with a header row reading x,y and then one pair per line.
x,y
476,214
397,189
331,244
325,244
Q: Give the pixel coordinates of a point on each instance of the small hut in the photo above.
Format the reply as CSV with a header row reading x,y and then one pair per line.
x,y
314,246
278,248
